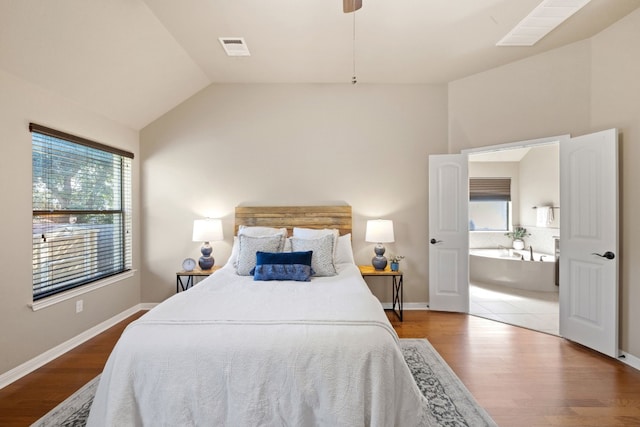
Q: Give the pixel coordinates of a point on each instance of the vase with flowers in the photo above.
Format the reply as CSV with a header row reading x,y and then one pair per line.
x,y
394,262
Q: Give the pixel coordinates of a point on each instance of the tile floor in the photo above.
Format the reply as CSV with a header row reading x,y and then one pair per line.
x,y
529,309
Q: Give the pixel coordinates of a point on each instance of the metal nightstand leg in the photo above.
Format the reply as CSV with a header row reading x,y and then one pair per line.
x,y
184,286
397,295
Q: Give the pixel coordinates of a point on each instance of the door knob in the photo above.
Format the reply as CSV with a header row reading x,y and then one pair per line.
x,y
434,241
607,255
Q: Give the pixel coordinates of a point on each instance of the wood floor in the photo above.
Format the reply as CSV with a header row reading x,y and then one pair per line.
x,y
521,377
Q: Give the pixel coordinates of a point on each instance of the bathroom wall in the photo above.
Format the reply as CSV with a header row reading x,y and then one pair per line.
x,y
540,184
500,170
535,181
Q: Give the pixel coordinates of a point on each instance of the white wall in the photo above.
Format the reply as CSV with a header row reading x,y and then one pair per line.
x,y
540,184
287,144
24,333
538,97
585,87
615,102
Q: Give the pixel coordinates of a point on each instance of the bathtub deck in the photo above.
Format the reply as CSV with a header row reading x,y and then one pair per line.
x,y
515,269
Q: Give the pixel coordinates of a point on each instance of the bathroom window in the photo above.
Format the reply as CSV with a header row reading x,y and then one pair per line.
x,y
487,215
489,204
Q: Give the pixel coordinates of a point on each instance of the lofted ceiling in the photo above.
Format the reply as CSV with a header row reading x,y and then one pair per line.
x,y
133,60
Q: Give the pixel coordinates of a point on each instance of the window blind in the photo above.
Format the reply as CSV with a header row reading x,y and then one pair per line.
x,y
81,211
495,189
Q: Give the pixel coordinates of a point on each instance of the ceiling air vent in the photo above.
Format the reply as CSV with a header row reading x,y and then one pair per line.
x,y
541,21
234,46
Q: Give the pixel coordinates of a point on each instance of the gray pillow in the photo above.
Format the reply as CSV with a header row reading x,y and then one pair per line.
x,y
249,247
322,259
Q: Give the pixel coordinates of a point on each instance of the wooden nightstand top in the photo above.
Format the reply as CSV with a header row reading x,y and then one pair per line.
x,y
368,270
198,272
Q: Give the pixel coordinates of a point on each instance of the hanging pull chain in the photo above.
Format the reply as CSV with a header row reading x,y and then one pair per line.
x,y
354,80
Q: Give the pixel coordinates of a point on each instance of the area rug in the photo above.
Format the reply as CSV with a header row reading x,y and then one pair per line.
x,y
450,403
74,410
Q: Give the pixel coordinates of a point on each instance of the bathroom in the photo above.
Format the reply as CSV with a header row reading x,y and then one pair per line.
x,y
515,188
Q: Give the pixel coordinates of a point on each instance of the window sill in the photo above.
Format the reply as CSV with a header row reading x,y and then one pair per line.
x,y
73,293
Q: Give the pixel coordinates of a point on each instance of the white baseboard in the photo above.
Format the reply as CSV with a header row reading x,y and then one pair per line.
x,y
407,306
147,305
629,359
57,351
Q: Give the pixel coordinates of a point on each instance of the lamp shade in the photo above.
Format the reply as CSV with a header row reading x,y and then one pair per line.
x,y
207,230
379,231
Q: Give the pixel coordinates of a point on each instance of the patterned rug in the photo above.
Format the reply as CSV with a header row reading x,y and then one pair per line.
x,y
450,402
73,412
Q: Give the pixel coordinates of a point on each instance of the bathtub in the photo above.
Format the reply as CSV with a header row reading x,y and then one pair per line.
x,y
505,267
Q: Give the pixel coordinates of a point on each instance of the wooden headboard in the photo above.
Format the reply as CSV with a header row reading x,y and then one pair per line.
x,y
295,216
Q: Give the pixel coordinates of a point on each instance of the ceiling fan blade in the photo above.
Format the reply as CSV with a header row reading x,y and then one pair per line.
x,y
351,5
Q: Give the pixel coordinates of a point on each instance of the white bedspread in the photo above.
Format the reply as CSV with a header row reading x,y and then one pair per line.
x,y
234,352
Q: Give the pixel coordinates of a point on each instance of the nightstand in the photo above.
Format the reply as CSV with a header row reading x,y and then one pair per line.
x,y
190,275
396,283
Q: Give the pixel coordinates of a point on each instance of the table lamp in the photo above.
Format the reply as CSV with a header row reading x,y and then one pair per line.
x,y
207,230
379,231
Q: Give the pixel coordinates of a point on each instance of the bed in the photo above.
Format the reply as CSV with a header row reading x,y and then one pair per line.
x,y
316,350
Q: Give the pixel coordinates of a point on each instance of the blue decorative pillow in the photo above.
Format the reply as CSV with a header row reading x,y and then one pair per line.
x,y
283,266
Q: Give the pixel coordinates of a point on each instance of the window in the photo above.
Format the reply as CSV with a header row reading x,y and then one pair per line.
x,y
489,203
81,211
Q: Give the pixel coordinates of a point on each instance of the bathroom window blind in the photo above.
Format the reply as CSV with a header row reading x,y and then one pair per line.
x,y
81,211
494,189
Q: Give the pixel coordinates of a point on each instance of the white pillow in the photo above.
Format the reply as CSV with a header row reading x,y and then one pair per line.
x,y
287,245
253,232
249,246
233,258
312,233
322,258
344,251
260,231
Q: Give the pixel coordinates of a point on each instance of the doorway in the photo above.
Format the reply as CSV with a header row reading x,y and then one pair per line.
x,y
588,269
515,286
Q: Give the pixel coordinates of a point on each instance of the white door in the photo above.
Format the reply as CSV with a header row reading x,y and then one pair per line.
x,y
589,241
449,233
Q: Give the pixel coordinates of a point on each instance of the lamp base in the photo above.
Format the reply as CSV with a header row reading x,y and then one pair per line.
x,y
379,262
206,261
